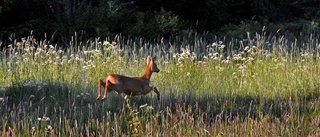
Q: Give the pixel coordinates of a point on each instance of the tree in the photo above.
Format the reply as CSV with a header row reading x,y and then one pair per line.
x,y
5,6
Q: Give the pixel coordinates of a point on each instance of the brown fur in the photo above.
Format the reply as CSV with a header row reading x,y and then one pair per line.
x,y
129,85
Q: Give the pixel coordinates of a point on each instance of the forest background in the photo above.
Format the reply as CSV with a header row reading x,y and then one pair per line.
x,y
58,20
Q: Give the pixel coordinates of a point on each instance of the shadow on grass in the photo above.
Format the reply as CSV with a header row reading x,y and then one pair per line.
x,y
38,99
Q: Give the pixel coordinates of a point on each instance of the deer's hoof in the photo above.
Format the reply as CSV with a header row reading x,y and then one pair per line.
x,y
103,99
158,97
98,98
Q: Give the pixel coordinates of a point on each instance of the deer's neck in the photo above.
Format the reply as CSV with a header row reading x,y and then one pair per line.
x,y
147,74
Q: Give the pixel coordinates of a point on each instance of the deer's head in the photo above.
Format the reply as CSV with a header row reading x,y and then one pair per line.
x,y
153,66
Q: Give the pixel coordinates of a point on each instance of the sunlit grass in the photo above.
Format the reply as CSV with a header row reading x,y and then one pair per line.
x,y
267,86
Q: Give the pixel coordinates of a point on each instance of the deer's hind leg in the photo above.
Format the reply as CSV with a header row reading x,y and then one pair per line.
x,y
103,84
107,89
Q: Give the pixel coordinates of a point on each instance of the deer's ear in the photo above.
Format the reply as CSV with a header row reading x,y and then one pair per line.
x,y
154,58
148,59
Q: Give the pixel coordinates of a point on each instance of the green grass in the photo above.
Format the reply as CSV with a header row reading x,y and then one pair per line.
x,y
268,87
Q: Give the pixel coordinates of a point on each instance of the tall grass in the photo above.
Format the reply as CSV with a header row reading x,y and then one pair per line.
x,y
261,86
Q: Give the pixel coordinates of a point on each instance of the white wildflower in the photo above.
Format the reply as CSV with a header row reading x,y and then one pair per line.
x,y
222,46
149,108
214,44
49,127
46,118
188,73
143,106
225,61
246,48
215,58
60,51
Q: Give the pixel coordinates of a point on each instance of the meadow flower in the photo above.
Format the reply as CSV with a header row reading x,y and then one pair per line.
x,y
188,73
242,67
246,48
175,55
77,57
219,68
237,57
51,46
39,49
250,59
234,74
143,106
225,61
205,57
60,51
222,46
49,127
180,58
97,51
149,108
84,68
214,44
86,52
215,54
12,63
106,43
27,49
45,118
202,62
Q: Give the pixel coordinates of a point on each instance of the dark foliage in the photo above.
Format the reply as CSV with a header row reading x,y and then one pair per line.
x,y
151,19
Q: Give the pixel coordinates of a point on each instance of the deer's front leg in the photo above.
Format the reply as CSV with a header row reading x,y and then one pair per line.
x,y
156,90
148,89
100,83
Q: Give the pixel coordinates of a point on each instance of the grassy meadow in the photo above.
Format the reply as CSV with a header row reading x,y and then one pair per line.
x,y
266,85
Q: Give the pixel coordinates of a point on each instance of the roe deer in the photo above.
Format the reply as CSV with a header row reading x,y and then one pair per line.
x,y
129,85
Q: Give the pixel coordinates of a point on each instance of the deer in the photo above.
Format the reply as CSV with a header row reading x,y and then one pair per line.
x,y
129,85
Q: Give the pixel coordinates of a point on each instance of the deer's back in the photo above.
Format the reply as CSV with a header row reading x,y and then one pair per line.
x,y
135,84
